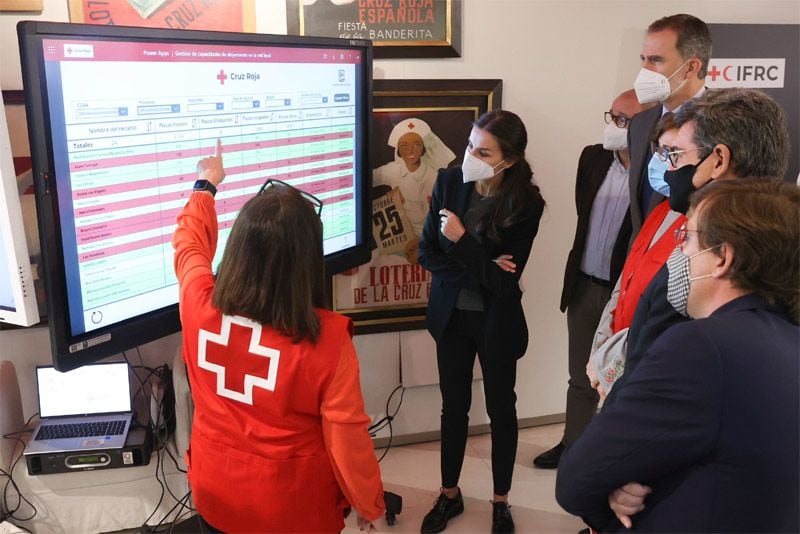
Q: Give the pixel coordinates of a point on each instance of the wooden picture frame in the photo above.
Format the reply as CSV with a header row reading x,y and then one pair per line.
x,y
390,292
408,29
21,5
13,96
229,16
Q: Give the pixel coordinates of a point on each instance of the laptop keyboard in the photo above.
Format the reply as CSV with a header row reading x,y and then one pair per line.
x,y
81,430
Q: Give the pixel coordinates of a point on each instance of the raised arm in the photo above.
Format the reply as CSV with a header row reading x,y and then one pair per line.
x,y
195,238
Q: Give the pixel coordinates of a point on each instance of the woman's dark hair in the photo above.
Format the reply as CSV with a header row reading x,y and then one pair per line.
x,y
517,195
272,270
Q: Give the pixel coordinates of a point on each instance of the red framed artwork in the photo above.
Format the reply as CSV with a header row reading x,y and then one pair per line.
x,y
229,16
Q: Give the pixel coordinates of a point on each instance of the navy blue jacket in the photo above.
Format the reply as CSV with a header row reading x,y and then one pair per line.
x,y
654,314
454,264
709,420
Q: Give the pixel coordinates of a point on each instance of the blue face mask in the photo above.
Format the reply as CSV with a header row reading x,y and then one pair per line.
x,y
655,174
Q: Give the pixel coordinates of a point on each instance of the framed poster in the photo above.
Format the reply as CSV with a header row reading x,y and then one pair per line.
x,y
229,16
418,128
397,28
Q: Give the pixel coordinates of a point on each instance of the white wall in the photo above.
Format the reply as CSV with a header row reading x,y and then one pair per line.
x,y
561,62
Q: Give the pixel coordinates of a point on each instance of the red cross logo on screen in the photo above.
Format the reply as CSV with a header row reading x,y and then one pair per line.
x,y
714,72
222,77
258,369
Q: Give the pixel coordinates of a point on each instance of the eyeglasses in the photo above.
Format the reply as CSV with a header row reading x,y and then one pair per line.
x,y
682,234
315,202
673,156
620,120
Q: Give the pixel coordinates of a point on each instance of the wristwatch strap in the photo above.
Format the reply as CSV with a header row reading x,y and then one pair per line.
x,y
205,185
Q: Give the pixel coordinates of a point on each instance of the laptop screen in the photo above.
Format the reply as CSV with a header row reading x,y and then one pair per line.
x,y
91,389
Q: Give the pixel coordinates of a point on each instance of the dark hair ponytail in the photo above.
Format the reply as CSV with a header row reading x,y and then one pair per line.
x,y
517,197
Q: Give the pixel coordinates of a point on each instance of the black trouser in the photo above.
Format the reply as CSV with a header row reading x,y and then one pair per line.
x,y
206,527
463,337
583,315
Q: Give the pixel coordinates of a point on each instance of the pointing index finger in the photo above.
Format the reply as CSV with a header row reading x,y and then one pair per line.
x,y
219,147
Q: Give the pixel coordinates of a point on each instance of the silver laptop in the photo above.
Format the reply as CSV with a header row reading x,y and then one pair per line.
x,y
84,409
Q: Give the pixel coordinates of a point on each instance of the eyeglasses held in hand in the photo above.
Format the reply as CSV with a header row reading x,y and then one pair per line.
x,y
673,156
315,202
620,120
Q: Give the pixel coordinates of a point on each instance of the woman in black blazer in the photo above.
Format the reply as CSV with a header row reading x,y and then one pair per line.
x,y
476,241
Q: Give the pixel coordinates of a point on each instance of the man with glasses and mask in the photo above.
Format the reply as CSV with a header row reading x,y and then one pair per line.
x,y
674,57
595,261
704,437
723,135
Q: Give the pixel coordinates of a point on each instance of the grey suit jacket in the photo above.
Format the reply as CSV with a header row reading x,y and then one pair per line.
x,y
639,132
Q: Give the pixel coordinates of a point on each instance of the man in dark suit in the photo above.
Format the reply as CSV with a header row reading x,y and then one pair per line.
x,y
596,259
704,436
674,57
725,134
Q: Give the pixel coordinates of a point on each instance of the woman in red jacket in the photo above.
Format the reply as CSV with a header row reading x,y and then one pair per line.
x,y
279,437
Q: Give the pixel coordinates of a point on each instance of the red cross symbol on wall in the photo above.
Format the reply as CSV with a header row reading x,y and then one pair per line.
x,y
236,379
222,77
714,72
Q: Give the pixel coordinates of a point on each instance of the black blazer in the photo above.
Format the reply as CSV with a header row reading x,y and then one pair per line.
x,y
708,420
592,168
452,264
639,132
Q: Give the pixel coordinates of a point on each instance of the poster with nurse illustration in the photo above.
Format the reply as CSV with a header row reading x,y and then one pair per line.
x,y
409,146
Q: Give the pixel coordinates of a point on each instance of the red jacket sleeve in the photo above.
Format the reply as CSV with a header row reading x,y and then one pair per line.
x,y
195,239
344,428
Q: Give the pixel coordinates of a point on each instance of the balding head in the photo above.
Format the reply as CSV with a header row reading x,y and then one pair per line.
x,y
623,109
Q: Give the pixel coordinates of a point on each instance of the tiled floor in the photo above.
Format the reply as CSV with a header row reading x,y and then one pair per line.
x,y
413,472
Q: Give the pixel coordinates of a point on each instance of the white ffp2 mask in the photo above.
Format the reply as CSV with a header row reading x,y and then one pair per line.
x,y
615,138
475,170
651,86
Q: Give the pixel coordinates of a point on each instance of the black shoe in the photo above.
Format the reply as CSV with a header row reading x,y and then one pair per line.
x,y
549,459
443,510
501,518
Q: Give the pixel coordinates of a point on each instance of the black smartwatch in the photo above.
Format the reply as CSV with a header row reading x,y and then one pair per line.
x,y
205,185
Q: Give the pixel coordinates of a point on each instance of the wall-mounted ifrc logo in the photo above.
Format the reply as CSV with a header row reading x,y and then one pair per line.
x,y
238,375
754,72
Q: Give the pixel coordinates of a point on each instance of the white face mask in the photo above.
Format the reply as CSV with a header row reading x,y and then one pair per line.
x,y
475,169
651,86
615,138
